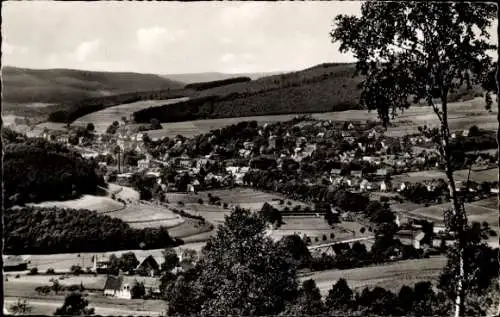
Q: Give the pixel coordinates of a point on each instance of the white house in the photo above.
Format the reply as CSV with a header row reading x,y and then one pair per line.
x,y
383,186
143,164
115,287
365,185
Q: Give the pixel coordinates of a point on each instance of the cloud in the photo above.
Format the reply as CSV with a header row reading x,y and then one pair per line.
x,y
10,49
85,49
239,58
149,39
241,13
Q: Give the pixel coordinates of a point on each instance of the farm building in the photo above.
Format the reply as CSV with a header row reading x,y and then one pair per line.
x,y
116,287
148,267
14,263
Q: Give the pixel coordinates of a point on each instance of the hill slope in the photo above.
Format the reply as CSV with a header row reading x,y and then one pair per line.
x,y
325,87
213,76
23,85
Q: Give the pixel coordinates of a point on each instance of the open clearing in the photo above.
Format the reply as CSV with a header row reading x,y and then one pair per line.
x,y
104,118
62,262
390,276
462,115
90,202
141,215
483,175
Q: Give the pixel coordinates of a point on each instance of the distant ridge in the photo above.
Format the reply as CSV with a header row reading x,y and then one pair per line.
x,y
213,76
24,85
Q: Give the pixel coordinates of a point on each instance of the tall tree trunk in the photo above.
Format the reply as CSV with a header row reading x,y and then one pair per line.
x,y
457,208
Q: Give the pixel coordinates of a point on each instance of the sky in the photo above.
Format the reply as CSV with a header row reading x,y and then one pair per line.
x,y
172,37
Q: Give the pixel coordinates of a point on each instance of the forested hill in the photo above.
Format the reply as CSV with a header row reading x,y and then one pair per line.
x,y
23,85
325,87
35,170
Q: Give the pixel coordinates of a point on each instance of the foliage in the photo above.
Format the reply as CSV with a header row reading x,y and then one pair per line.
x,y
297,249
138,290
31,230
21,307
36,170
241,272
216,83
75,305
128,262
170,260
271,214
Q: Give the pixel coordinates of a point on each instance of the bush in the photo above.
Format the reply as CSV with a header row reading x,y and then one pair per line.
x,y
324,237
50,271
17,276
76,270
362,230
316,239
492,233
200,201
33,271
289,203
180,203
225,205
332,236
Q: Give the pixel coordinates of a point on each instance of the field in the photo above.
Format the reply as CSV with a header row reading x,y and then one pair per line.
x,y
142,215
63,262
484,175
91,202
390,276
462,115
104,118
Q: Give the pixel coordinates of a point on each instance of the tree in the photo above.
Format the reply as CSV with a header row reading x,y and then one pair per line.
x,y
297,248
155,124
425,51
170,260
309,301
340,298
405,299
128,262
56,286
138,290
90,127
75,305
241,272
21,307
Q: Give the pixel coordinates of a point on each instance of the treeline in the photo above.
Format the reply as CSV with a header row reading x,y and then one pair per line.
x,y
73,110
36,170
30,230
217,83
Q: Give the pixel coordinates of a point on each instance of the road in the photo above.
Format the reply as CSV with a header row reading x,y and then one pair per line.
x,y
319,246
44,307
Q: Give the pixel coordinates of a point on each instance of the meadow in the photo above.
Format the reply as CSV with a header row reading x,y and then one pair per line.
x,y
482,175
390,276
102,119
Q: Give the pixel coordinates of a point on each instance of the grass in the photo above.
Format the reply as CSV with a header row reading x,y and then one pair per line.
x,y
489,175
458,119
390,276
91,202
102,119
141,215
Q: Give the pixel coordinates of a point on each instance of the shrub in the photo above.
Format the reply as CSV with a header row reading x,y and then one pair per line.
x,y
200,201
76,270
289,203
362,230
316,239
332,235
33,271
180,203
324,237
17,276
225,205
50,271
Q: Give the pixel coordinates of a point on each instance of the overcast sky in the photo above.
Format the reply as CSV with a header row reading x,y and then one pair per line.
x,y
172,37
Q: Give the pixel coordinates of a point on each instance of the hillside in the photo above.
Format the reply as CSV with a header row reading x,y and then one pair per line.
x,y
23,85
36,170
326,87
213,76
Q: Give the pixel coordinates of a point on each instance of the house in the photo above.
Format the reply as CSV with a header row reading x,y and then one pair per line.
x,y
402,187
100,265
335,171
116,287
248,145
365,185
358,174
184,161
383,186
148,267
14,263
143,164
